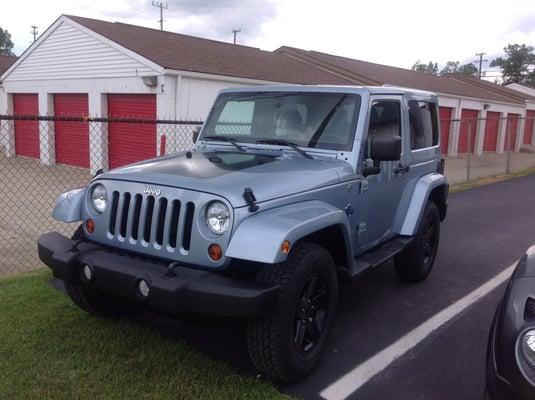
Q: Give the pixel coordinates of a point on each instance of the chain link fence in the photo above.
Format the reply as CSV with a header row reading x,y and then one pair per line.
x,y
42,157
484,147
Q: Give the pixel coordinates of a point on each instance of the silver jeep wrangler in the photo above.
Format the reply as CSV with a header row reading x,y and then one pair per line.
x,y
288,190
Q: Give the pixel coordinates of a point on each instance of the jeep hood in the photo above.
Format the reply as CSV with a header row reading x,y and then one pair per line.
x,y
227,174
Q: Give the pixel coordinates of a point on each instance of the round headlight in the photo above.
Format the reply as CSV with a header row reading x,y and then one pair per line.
x,y
528,346
218,217
99,197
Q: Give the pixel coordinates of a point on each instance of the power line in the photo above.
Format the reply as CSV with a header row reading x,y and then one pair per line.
x,y
34,32
132,12
160,5
235,32
480,55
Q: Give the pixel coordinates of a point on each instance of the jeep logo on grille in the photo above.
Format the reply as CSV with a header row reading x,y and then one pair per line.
x,y
152,191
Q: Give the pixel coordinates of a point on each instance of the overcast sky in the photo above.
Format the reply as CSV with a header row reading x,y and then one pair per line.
x,y
391,32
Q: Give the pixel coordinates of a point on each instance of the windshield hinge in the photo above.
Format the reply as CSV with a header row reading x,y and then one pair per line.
x,y
250,199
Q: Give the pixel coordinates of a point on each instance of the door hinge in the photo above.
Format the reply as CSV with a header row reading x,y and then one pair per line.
x,y
363,186
361,228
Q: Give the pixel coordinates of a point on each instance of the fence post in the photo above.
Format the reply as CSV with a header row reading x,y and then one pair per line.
x,y
469,155
508,141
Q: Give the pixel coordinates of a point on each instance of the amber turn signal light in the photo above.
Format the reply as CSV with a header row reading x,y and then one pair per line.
x,y
285,247
89,226
215,252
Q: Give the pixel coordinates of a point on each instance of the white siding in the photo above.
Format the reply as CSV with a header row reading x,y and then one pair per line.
x,y
195,96
69,53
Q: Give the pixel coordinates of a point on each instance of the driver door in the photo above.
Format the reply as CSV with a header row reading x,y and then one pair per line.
x,y
380,195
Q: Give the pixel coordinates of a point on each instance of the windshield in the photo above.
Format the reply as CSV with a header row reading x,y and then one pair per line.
x,y
314,120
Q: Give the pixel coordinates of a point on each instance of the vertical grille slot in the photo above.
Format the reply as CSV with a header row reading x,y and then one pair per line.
x,y
173,229
148,218
124,216
113,214
161,221
135,217
188,224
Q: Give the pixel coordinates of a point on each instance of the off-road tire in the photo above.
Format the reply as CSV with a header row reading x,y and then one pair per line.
x,y
272,340
92,301
415,263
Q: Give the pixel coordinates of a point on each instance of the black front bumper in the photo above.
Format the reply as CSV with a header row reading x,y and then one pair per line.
x,y
187,291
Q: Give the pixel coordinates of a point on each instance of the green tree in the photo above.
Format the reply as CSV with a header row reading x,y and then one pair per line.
x,y
429,68
515,66
455,67
6,45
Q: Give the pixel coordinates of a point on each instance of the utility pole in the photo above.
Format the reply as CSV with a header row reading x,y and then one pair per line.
x,y
34,32
235,32
480,55
160,5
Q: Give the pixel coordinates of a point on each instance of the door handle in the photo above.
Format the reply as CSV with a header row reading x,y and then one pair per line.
x,y
401,169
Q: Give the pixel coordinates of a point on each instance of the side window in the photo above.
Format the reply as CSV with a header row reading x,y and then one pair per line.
x,y
424,124
385,118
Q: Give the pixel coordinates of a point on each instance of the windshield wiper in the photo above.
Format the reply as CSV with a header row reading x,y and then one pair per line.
x,y
283,142
315,137
232,141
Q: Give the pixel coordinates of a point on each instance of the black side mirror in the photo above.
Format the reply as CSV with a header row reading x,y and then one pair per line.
x,y
382,148
196,130
385,148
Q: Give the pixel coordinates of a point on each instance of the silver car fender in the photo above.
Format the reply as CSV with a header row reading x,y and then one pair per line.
x,y
68,206
259,237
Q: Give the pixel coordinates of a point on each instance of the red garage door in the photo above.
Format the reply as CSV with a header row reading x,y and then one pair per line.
x,y
131,142
492,126
528,130
72,138
445,123
468,129
26,132
512,125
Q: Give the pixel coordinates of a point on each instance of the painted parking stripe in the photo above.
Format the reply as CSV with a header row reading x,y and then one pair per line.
x,y
353,380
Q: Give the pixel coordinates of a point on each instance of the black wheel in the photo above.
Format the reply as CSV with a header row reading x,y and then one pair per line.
x,y
91,301
415,263
287,344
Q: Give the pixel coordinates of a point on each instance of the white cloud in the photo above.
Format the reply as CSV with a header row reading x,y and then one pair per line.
x,y
390,32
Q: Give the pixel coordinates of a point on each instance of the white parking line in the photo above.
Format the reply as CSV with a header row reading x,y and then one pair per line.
x,y
356,378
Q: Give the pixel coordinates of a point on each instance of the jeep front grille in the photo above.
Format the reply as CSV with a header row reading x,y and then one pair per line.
x,y
151,221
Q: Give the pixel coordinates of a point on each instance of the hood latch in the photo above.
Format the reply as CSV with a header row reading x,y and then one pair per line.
x,y
250,199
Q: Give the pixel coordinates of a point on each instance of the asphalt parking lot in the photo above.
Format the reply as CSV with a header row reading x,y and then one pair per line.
x,y
486,230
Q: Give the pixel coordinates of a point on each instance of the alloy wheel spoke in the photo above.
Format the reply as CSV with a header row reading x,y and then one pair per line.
x,y
311,289
313,331
319,299
300,334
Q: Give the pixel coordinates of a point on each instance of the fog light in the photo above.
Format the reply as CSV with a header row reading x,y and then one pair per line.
x,y
89,226
215,252
143,287
87,272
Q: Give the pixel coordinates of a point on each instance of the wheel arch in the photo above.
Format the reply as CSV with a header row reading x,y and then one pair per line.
x,y
431,187
310,220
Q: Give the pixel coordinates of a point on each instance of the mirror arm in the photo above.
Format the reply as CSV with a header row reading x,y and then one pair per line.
x,y
374,170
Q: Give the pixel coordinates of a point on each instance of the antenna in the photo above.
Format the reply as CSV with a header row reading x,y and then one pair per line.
x,y
34,32
480,55
235,32
160,5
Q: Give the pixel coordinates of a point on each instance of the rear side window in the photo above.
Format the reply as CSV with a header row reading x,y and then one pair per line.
x,y
423,123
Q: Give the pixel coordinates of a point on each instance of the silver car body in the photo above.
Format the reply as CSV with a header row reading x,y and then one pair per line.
x,y
296,197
